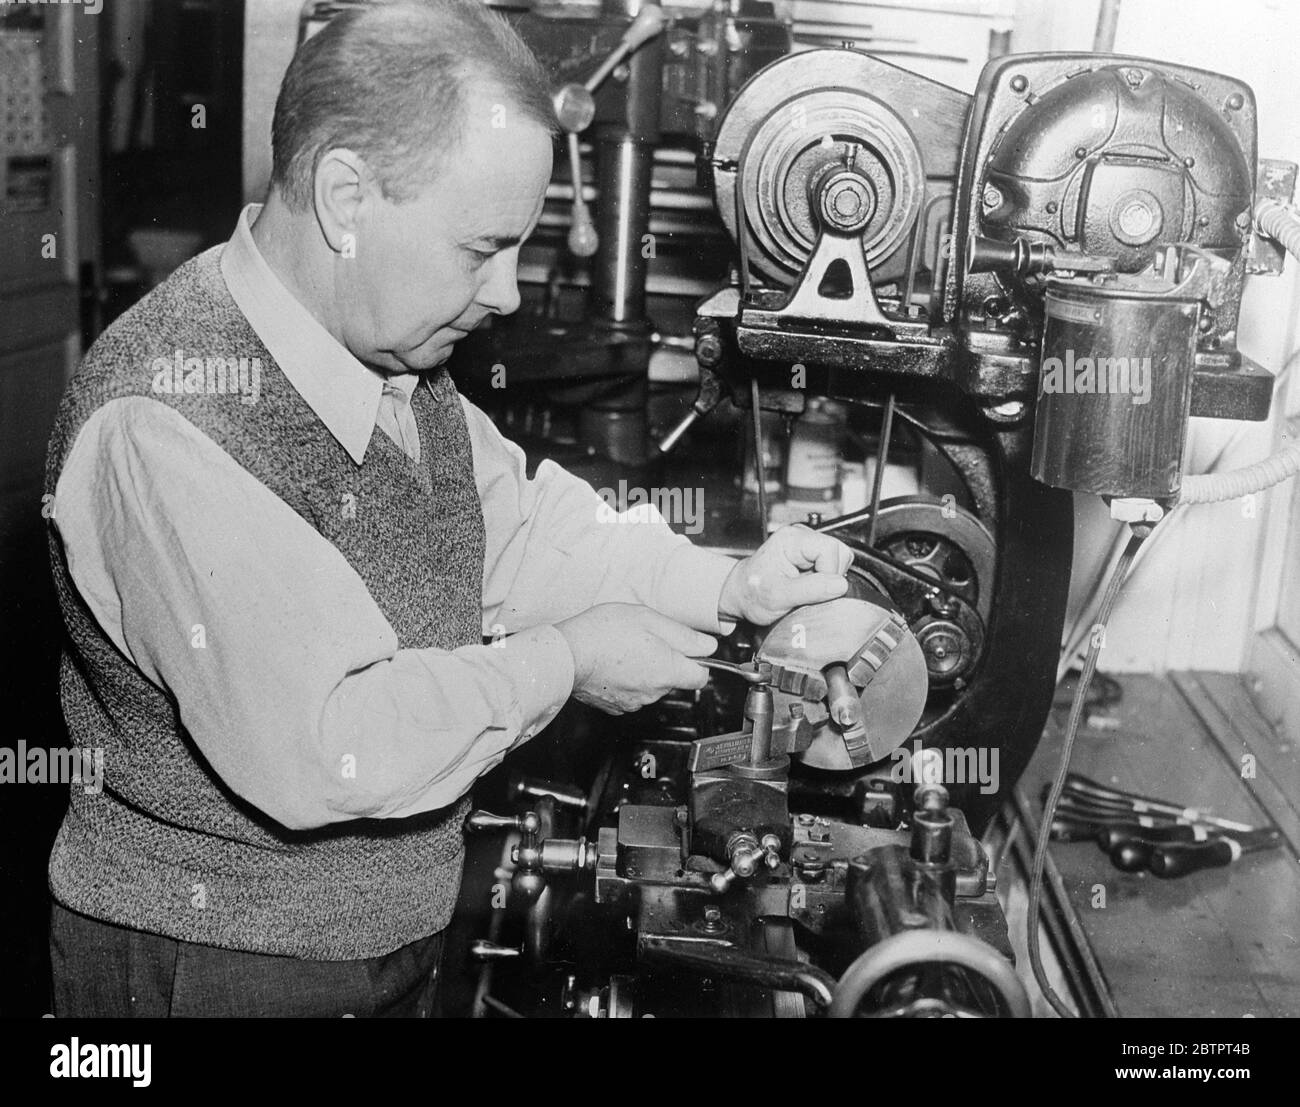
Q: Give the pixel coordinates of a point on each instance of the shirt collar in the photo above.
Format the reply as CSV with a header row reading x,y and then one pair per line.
x,y
342,391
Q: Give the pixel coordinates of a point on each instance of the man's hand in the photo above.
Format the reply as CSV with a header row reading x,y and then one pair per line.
x,y
775,579
626,656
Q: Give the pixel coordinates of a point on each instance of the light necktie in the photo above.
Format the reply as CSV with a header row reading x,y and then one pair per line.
x,y
397,420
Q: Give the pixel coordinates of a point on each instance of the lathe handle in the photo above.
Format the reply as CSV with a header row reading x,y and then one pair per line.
x,y
483,950
1111,835
528,822
1176,860
1171,861
583,239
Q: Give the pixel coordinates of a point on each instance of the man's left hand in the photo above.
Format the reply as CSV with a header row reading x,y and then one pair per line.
x,y
795,566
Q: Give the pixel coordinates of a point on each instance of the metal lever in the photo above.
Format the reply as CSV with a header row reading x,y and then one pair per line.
x,y
649,22
483,950
575,104
528,881
528,788
583,239
710,395
575,108
526,823
746,854
533,857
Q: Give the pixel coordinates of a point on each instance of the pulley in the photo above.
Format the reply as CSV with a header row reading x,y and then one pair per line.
x,y
806,145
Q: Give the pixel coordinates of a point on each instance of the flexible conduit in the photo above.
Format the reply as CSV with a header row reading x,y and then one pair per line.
x,y
1277,222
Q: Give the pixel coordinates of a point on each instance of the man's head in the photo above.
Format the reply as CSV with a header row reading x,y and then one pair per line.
x,y
412,148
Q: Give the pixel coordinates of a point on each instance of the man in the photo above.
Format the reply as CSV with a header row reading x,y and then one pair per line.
x,y
280,538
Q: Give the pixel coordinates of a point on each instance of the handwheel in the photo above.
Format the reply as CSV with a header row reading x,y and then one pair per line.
x,y
917,947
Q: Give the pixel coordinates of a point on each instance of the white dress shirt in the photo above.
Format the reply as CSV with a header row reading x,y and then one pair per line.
x,y
281,663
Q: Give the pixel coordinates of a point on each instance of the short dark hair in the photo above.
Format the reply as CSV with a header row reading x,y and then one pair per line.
x,y
390,81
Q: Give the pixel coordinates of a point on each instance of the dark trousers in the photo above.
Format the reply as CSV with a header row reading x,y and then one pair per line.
x,y
107,971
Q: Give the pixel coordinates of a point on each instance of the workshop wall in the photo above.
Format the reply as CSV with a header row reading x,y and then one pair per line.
x,y
1199,595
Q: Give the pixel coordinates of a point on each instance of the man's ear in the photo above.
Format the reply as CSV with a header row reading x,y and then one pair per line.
x,y
342,185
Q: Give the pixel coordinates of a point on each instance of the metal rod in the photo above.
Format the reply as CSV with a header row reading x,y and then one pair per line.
x,y
501,1008
842,521
1103,41
882,458
483,986
624,166
760,473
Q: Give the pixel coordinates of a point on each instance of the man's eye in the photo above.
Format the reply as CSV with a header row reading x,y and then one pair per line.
x,y
480,256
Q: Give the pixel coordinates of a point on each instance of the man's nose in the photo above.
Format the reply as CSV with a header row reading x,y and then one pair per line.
x,y
500,290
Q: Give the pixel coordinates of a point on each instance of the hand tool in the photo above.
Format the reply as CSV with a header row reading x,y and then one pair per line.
x,y
1166,849
1108,833
754,673
1174,859
1075,807
1081,785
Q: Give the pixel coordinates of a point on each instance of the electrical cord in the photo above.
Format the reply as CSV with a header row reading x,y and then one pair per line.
x,y
1058,784
1107,691
1279,223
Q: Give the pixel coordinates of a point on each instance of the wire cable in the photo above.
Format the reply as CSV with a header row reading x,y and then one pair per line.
x,y
1058,784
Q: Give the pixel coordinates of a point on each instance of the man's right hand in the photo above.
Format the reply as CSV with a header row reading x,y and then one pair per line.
x,y
626,656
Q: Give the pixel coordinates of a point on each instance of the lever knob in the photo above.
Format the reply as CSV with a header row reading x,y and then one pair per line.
x,y
528,822
483,950
583,239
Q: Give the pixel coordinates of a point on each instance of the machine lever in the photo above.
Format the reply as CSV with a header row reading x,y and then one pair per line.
x,y
719,960
649,22
529,879
583,239
575,108
483,950
526,823
748,855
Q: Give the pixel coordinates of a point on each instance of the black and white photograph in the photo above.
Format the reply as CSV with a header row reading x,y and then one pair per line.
x,y
642,509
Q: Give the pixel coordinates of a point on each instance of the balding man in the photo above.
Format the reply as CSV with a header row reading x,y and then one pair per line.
x,y
280,539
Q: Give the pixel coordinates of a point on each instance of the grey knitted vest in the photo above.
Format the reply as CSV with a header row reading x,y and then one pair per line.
x,y
166,847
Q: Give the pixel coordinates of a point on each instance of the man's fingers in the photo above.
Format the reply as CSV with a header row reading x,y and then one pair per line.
x,y
809,549
679,637
687,674
811,588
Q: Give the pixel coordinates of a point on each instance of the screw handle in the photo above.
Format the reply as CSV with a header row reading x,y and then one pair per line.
x,y
527,823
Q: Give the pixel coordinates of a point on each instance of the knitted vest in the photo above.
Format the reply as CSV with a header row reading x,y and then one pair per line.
x,y
166,847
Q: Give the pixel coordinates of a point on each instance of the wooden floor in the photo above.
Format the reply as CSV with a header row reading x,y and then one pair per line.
x,y
1225,942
